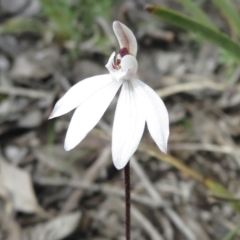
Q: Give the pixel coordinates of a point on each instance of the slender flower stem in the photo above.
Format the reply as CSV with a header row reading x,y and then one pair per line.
x,y
128,201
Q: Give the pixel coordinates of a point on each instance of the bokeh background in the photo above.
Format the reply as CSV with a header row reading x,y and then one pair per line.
x,y
193,193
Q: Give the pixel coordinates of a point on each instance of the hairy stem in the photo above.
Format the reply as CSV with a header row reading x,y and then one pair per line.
x,y
128,200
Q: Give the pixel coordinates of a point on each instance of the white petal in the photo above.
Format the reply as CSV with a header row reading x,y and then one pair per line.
x,y
89,113
129,65
128,126
157,116
125,37
117,75
111,63
78,93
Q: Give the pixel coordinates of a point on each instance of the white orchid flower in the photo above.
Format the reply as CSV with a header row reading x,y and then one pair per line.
x,y
137,104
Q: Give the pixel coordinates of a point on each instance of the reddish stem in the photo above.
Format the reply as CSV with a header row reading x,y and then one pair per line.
x,y
128,200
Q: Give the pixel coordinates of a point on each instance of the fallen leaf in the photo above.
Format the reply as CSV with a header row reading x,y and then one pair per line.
x,y
58,159
55,229
19,186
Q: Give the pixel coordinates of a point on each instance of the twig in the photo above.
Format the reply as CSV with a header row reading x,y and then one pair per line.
x,y
164,221
215,187
160,34
103,23
223,198
63,81
205,147
24,92
152,151
145,223
98,188
190,86
90,176
226,95
175,218
154,234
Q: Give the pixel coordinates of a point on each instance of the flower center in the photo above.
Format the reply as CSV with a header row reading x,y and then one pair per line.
x,y
121,53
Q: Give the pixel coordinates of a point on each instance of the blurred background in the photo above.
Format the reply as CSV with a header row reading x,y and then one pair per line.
x,y
193,193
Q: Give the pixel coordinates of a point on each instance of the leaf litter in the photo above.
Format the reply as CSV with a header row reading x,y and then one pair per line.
x,y
46,193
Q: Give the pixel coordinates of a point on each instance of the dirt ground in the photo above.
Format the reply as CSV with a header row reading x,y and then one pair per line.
x,y
49,194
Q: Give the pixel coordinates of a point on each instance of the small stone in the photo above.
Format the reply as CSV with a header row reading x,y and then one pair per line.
x,y
31,119
12,6
4,63
15,154
167,61
35,65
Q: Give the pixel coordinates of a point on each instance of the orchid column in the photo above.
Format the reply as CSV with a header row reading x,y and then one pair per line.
x,y
137,104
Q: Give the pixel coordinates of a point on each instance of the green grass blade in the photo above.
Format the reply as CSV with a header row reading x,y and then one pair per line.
x,y
19,25
232,233
222,192
197,13
230,13
217,189
196,27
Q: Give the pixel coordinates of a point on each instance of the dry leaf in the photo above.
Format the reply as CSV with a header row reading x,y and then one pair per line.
x,y
55,229
19,186
57,158
10,229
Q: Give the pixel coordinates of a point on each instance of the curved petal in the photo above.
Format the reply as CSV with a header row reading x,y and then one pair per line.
x,y
128,126
125,37
78,93
157,115
117,74
129,65
110,63
89,113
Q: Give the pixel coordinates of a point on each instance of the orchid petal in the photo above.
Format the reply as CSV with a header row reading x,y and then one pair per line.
x,y
128,126
129,65
78,93
89,113
117,75
111,63
157,115
125,37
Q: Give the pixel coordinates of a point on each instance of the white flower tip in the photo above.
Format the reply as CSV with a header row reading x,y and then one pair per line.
x,y
119,164
163,148
110,62
118,167
70,142
163,145
120,160
125,37
116,23
68,146
52,115
57,111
